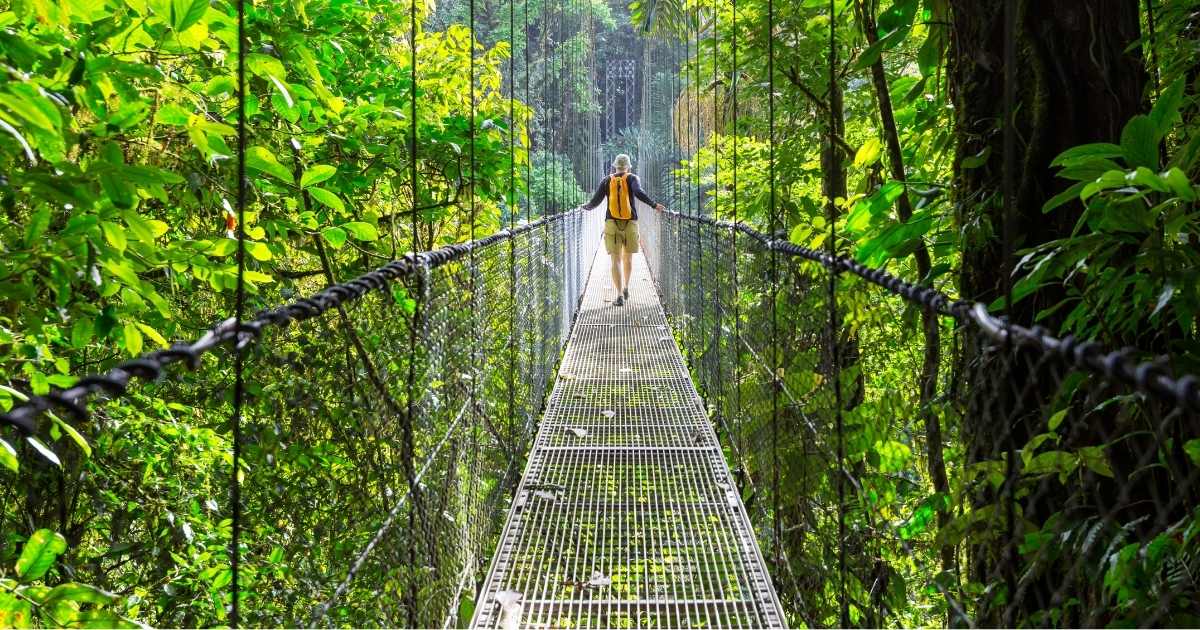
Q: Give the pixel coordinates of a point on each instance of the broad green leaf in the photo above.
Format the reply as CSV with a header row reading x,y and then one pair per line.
x,y
81,593
173,115
153,335
1139,142
327,198
361,231
114,235
317,174
8,456
868,153
1192,448
258,251
1166,110
222,247
73,434
24,108
265,66
335,236
1065,197
261,159
133,339
14,611
39,554
1088,152
977,160
1179,184
38,224
1060,462
1094,459
185,13
893,456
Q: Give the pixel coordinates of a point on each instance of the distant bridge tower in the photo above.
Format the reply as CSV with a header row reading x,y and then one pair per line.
x,y
620,78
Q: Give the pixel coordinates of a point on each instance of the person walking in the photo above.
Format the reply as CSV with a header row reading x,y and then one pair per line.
x,y
620,227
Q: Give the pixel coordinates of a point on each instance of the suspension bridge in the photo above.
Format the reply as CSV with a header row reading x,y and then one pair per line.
x,y
474,435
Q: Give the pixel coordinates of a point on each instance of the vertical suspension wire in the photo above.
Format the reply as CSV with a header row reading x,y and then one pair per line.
x,y
530,112
739,439
476,359
776,523
835,326
718,304
239,311
1009,167
698,264
512,205
408,450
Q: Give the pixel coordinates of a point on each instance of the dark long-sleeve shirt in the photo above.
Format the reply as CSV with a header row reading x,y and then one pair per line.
x,y
634,188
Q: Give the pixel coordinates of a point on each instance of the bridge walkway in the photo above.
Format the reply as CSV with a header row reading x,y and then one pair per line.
x,y
627,515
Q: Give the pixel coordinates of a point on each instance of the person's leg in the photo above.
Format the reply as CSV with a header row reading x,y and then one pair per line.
x,y
612,244
627,259
616,269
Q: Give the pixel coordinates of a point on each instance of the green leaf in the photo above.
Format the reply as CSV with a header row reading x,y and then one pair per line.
x,y
14,611
81,593
1166,110
1139,142
327,198
1060,462
173,115
1056,419
893,456
74,435
1178,181
265,66
1094,459
153,335
361,231
185,13
1064,197
868,153
259,251
335,236
1087,153
977,160
899,15
39,554
261,159
38,223
317,174
222,247
133,339
114,235
8,456
1192,448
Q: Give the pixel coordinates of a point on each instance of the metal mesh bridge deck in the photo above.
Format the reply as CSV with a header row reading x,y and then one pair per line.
x,y
627,516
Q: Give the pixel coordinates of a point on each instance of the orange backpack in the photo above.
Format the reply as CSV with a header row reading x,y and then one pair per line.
x,y
620,206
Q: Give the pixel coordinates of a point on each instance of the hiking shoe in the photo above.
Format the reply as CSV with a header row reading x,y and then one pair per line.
x,y
620,301
625,293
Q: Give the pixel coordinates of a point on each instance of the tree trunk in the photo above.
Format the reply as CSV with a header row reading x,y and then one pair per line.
x,y
1076,81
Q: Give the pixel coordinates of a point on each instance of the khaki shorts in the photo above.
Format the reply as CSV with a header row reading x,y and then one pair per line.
x,y
620,235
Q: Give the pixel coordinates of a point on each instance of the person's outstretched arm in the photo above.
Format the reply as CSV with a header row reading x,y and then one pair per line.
x,y
636,188
601,193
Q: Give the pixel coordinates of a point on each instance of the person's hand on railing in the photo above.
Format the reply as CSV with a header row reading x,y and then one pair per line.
x,y
660,207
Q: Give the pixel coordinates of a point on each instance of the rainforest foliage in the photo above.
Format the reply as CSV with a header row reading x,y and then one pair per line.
x,y
118,187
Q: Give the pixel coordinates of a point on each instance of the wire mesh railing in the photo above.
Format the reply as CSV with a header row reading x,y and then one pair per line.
x,y
385,422
1008,478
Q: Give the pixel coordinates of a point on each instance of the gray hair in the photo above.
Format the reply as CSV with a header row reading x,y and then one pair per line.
x,y
621,162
